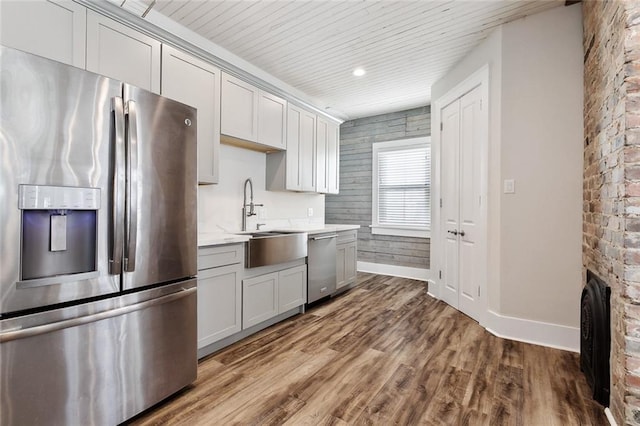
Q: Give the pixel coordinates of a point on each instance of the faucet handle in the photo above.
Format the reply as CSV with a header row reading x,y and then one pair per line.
x,y
258,225
251,208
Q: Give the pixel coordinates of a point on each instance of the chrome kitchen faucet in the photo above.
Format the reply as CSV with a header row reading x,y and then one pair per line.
x,y
251,205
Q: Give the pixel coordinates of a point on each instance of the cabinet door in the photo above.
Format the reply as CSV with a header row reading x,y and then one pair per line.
x,y
53,29
322,134
239,109
351,262
219,303
292,288
259,299
120,52
293,156
307,151
340,266
272,120
333,158
197,83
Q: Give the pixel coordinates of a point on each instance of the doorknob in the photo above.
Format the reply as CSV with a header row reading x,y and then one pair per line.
x,y
461,233
454,232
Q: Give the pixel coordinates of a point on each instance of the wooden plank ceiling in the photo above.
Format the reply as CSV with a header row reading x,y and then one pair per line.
x,y
404,46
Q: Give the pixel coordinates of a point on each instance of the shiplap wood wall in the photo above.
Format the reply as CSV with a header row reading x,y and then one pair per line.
x,y
353,204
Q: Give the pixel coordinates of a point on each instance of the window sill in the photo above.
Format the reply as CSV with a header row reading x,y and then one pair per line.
x,y
400,232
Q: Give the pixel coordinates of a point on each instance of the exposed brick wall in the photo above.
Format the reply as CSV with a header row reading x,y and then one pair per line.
x,y
611,219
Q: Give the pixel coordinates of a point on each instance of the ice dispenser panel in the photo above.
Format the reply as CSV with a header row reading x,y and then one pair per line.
x,y
59,230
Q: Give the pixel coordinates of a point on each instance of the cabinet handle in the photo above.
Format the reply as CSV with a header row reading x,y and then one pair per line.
x,y
454,232
324,237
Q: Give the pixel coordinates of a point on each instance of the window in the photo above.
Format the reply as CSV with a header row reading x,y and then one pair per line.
x,y
402,187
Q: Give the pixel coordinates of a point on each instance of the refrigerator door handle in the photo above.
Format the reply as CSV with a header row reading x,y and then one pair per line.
x,y
131,222
21,333
117,199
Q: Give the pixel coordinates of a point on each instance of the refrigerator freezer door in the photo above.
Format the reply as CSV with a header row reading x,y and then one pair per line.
x,y
161,218
55,130
98,363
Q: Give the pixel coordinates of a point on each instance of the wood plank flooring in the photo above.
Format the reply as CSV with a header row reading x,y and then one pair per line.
x,y
384,353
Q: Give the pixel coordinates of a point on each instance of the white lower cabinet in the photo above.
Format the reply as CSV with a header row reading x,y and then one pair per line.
x,y
268,295
219,292
259,299
346,258
292,288
219,303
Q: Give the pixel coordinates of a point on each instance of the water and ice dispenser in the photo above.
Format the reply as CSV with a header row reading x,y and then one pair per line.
x,y
59,232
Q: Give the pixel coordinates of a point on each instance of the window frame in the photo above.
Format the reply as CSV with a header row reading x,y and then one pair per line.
x,y
403,231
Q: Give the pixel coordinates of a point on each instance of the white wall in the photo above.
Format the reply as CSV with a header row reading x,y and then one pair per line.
x,y
542,149
219,206
535,137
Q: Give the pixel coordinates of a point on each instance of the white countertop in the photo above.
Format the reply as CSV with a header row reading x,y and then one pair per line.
x,y
219,238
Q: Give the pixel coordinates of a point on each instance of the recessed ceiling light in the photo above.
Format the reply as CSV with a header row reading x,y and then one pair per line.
x,y
359,72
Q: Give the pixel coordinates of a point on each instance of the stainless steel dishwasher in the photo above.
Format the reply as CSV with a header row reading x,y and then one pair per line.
x,y
321,266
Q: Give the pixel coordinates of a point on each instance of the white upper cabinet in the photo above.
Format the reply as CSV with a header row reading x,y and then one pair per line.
x,y
333,158
293,175
250,114
307,151
322,136
119,52
53,29
239,109
272,120
327,156
311,162
197,83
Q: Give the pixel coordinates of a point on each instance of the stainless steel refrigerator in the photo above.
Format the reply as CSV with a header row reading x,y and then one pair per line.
x,y
97,245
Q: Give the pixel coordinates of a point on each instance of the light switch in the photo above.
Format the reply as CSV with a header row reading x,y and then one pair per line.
x,y
310,211
509,186
58,233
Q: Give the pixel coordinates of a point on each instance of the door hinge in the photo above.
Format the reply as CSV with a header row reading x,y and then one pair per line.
x,y
480,104
441,126
440,274
478,291
440,202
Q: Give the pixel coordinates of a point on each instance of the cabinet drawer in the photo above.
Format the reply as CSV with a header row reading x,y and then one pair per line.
x,y
346,236
212,257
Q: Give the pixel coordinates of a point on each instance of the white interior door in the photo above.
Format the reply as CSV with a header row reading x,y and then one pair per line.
x,y
450,201
470,202
461,177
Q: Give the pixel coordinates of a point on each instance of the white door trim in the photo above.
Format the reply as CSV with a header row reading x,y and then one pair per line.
x,y
478,78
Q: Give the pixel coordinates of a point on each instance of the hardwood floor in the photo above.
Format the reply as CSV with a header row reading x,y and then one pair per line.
x,y
383,353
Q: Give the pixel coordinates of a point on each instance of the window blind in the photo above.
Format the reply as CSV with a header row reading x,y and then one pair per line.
x,y
404,187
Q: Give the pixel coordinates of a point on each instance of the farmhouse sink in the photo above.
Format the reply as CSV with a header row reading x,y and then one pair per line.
x,y
272,247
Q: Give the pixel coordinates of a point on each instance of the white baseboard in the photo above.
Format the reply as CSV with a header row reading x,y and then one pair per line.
x,y
396,271
432,289
536,332
609,414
